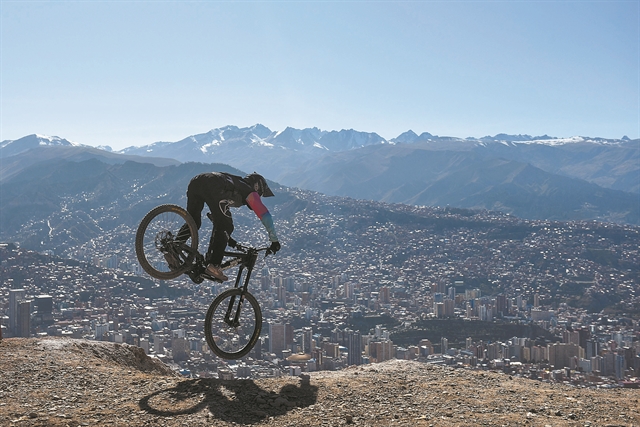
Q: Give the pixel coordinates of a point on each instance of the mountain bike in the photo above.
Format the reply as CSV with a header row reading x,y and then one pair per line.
x,y
231,326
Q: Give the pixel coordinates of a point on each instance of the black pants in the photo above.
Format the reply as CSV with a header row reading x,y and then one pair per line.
x,y
207,189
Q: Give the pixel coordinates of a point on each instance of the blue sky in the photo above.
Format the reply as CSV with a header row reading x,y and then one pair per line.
x,y
125,73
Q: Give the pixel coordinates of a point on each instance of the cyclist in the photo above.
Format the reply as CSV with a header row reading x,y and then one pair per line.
x,y
221,191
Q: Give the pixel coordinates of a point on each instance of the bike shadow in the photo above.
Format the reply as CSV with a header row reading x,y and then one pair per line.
x,y
239,401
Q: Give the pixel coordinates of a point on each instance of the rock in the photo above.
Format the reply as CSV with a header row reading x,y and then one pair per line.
x,y
399,393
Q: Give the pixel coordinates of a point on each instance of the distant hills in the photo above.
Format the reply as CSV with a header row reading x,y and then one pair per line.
x,y
89,210
537,177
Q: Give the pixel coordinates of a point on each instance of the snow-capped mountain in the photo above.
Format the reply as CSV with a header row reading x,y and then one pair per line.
x,y
11,148
257,147
218,141
529,176
410,137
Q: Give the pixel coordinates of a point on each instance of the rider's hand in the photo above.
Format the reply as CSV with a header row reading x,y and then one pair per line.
x,y
275,247
232,243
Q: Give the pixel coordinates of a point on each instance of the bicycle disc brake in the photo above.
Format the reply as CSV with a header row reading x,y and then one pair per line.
x,y
164,240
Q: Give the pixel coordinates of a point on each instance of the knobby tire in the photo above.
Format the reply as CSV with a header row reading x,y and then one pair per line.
x,y
229,342
164,218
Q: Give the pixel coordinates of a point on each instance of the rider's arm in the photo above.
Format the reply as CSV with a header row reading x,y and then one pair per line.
x,y
255,203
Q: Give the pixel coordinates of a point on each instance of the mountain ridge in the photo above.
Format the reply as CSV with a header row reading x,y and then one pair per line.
x,y
343,162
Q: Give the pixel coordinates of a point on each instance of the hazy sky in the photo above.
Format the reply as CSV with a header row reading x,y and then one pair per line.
x,y
125,73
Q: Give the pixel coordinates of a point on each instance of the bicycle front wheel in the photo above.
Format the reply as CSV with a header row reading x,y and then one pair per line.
x,y
158,252
232,327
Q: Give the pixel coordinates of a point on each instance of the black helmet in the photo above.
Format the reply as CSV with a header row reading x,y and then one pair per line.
x,y
259,184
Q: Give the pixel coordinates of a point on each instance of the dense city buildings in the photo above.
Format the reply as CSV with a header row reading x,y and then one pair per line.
x,y
363,287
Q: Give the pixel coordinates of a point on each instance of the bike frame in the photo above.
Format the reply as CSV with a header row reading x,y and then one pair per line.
x,y
245,260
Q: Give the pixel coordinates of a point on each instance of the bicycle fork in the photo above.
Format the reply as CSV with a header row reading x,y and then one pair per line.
x,y
235,321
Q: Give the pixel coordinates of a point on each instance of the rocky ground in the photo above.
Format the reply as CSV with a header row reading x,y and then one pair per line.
x,y
62,382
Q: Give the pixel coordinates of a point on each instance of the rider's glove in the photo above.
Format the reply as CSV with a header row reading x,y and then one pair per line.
x,y
275,247
232,243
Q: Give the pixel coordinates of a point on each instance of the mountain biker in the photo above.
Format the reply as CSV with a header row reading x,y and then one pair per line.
x,y
221,191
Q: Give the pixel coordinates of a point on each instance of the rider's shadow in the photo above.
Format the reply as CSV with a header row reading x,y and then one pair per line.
x,y
240,401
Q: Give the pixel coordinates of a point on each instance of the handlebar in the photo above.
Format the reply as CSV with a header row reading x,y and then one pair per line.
x,y
245,248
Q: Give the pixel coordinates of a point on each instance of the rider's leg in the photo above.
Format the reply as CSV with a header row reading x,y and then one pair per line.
x,y
222,229
195,204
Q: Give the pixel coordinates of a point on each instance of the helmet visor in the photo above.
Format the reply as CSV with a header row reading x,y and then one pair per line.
x,y
260,185
266,191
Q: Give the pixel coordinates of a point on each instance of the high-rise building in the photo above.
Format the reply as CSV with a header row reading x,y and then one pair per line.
x,y
439,309
591,349
584,335
354,344
493,351
44,304
449,306
158,344
470,294
23,326
561,353
597,363
282,295
277,338
349,289
468,343
384,296
381,350
43,316
180,349
539,353
335,282
289,284
571,337
331,349
501,305
15,296
307,343
620,366
265,279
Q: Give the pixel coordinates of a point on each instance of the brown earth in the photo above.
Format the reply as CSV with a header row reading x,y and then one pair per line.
x,y
63,382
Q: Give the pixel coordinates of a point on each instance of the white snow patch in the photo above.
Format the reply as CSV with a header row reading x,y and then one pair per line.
x,y
555,141
54,140
260,141
205,148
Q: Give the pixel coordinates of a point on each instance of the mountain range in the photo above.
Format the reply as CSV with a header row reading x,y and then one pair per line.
x,y
539,177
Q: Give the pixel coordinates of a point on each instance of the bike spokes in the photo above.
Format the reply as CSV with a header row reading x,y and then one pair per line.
x,y
232,327
159,252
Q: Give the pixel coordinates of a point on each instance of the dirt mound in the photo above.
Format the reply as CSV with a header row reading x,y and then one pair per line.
x,y
125,355
62,382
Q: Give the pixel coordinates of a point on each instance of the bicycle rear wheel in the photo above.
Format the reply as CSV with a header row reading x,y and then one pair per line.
x,y
156,245
232,327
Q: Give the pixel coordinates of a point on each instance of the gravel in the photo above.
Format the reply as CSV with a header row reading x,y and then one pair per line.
x,y
64,382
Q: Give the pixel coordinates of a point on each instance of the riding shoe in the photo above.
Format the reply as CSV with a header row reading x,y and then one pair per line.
x,y
215,272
